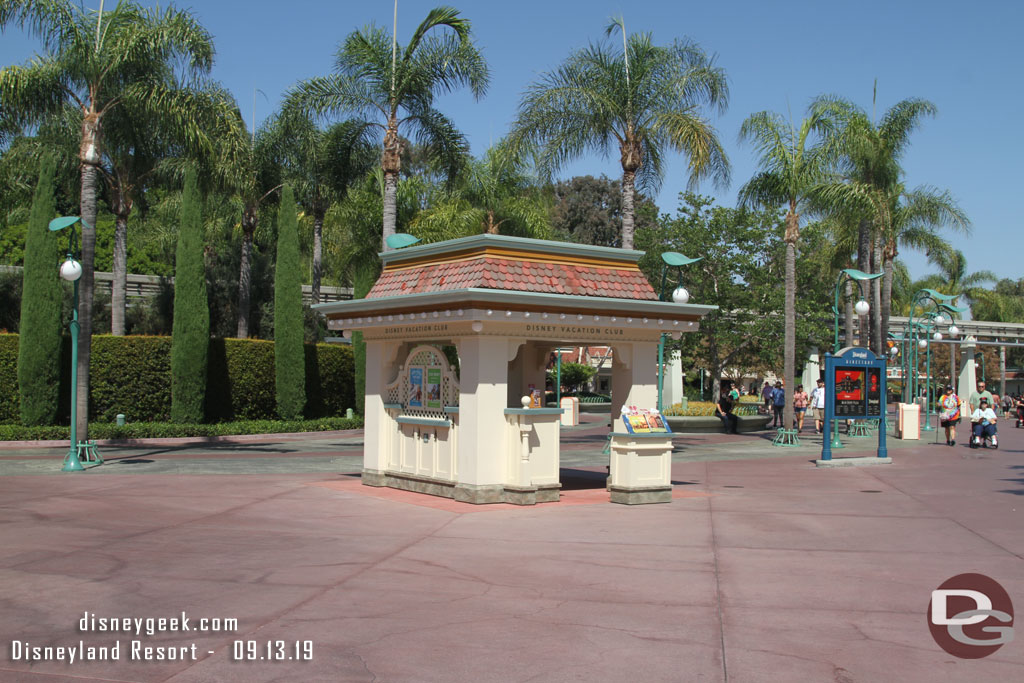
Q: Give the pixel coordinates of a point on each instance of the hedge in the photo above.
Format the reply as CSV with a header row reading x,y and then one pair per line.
x,y
132,375
165,430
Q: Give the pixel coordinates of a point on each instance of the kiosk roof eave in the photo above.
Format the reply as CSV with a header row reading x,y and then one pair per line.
x,y
512,300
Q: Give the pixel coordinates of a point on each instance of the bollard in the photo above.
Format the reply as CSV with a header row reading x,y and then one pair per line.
x,y
120,419
349,414
685,402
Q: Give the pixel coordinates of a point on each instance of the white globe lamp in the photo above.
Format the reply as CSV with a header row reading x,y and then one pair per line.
x,y
937,336
680,295
71,270
953,330
862,307
922,344
940,319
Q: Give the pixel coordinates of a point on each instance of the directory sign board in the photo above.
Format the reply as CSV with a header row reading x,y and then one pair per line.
x,y
854,390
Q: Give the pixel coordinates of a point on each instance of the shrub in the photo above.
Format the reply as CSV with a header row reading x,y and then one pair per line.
x,y
132,375
191,331
288,317
170,430
39,352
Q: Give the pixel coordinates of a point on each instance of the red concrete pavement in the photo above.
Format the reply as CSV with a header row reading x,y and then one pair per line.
x,y
759,570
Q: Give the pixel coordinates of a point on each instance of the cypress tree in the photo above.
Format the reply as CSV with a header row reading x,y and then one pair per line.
x,y
289,359
39,327
190,334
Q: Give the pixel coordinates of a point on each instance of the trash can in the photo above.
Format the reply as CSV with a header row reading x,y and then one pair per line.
x,y
908,421
571,411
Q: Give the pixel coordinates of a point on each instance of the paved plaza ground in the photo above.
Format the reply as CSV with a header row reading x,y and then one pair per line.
x,y
762,568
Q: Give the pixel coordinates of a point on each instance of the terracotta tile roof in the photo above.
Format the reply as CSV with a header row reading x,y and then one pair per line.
x,y
488,272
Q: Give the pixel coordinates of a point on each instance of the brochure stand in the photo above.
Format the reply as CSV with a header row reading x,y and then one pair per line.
x,y
641,459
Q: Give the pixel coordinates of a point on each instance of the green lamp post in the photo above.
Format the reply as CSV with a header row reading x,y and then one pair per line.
x,y
862,307
981,355
680,295
71,270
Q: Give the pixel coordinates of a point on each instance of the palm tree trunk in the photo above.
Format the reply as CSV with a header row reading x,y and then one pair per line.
x,y
318,247
789,351
849,312
390,207
119,286
86,289
245,284
888,255
628,192
391,164
864,265
877,336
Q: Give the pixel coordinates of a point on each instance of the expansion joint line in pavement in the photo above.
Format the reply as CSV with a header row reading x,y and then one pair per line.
x,y
955,521
718,582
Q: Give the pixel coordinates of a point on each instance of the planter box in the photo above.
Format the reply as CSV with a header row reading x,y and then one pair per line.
x,y
710,423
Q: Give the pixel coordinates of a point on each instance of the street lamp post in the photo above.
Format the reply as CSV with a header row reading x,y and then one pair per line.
x,y
680,296
983,374
861,307
71,270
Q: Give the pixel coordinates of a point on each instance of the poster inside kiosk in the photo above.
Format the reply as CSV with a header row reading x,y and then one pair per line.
x,y
854,390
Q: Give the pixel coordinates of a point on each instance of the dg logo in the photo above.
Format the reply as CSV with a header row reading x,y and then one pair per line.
x,y
970,616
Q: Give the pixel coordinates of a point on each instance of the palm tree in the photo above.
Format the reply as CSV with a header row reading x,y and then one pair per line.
x,y
953,277
910,220
646,100
871,159
99,62
792,170
493,195
244,168
394,89
320,165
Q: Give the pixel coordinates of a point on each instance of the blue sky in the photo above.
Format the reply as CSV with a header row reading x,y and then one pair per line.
x,y
964,57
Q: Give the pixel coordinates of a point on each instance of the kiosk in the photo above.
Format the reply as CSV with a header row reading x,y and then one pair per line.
x,y
502,305
854,390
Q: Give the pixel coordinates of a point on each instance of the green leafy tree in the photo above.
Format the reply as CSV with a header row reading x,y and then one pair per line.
x,y
393,88
97,62
739,273
289,363
191,331
39,341
646,100
588,210
574,375
794,162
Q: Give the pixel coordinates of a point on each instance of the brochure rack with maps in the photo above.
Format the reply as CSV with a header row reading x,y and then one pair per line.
x,y
643,421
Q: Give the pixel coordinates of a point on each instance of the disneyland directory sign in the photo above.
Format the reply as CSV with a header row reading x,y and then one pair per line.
x,y
857,382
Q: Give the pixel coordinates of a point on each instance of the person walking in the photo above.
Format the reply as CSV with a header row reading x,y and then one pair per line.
x,y
800,399
766,396
977,396
949,414
778,405
818,406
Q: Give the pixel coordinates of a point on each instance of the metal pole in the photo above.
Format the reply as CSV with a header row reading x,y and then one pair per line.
x,y
558,377
928,391
661,369
72,463
835,314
